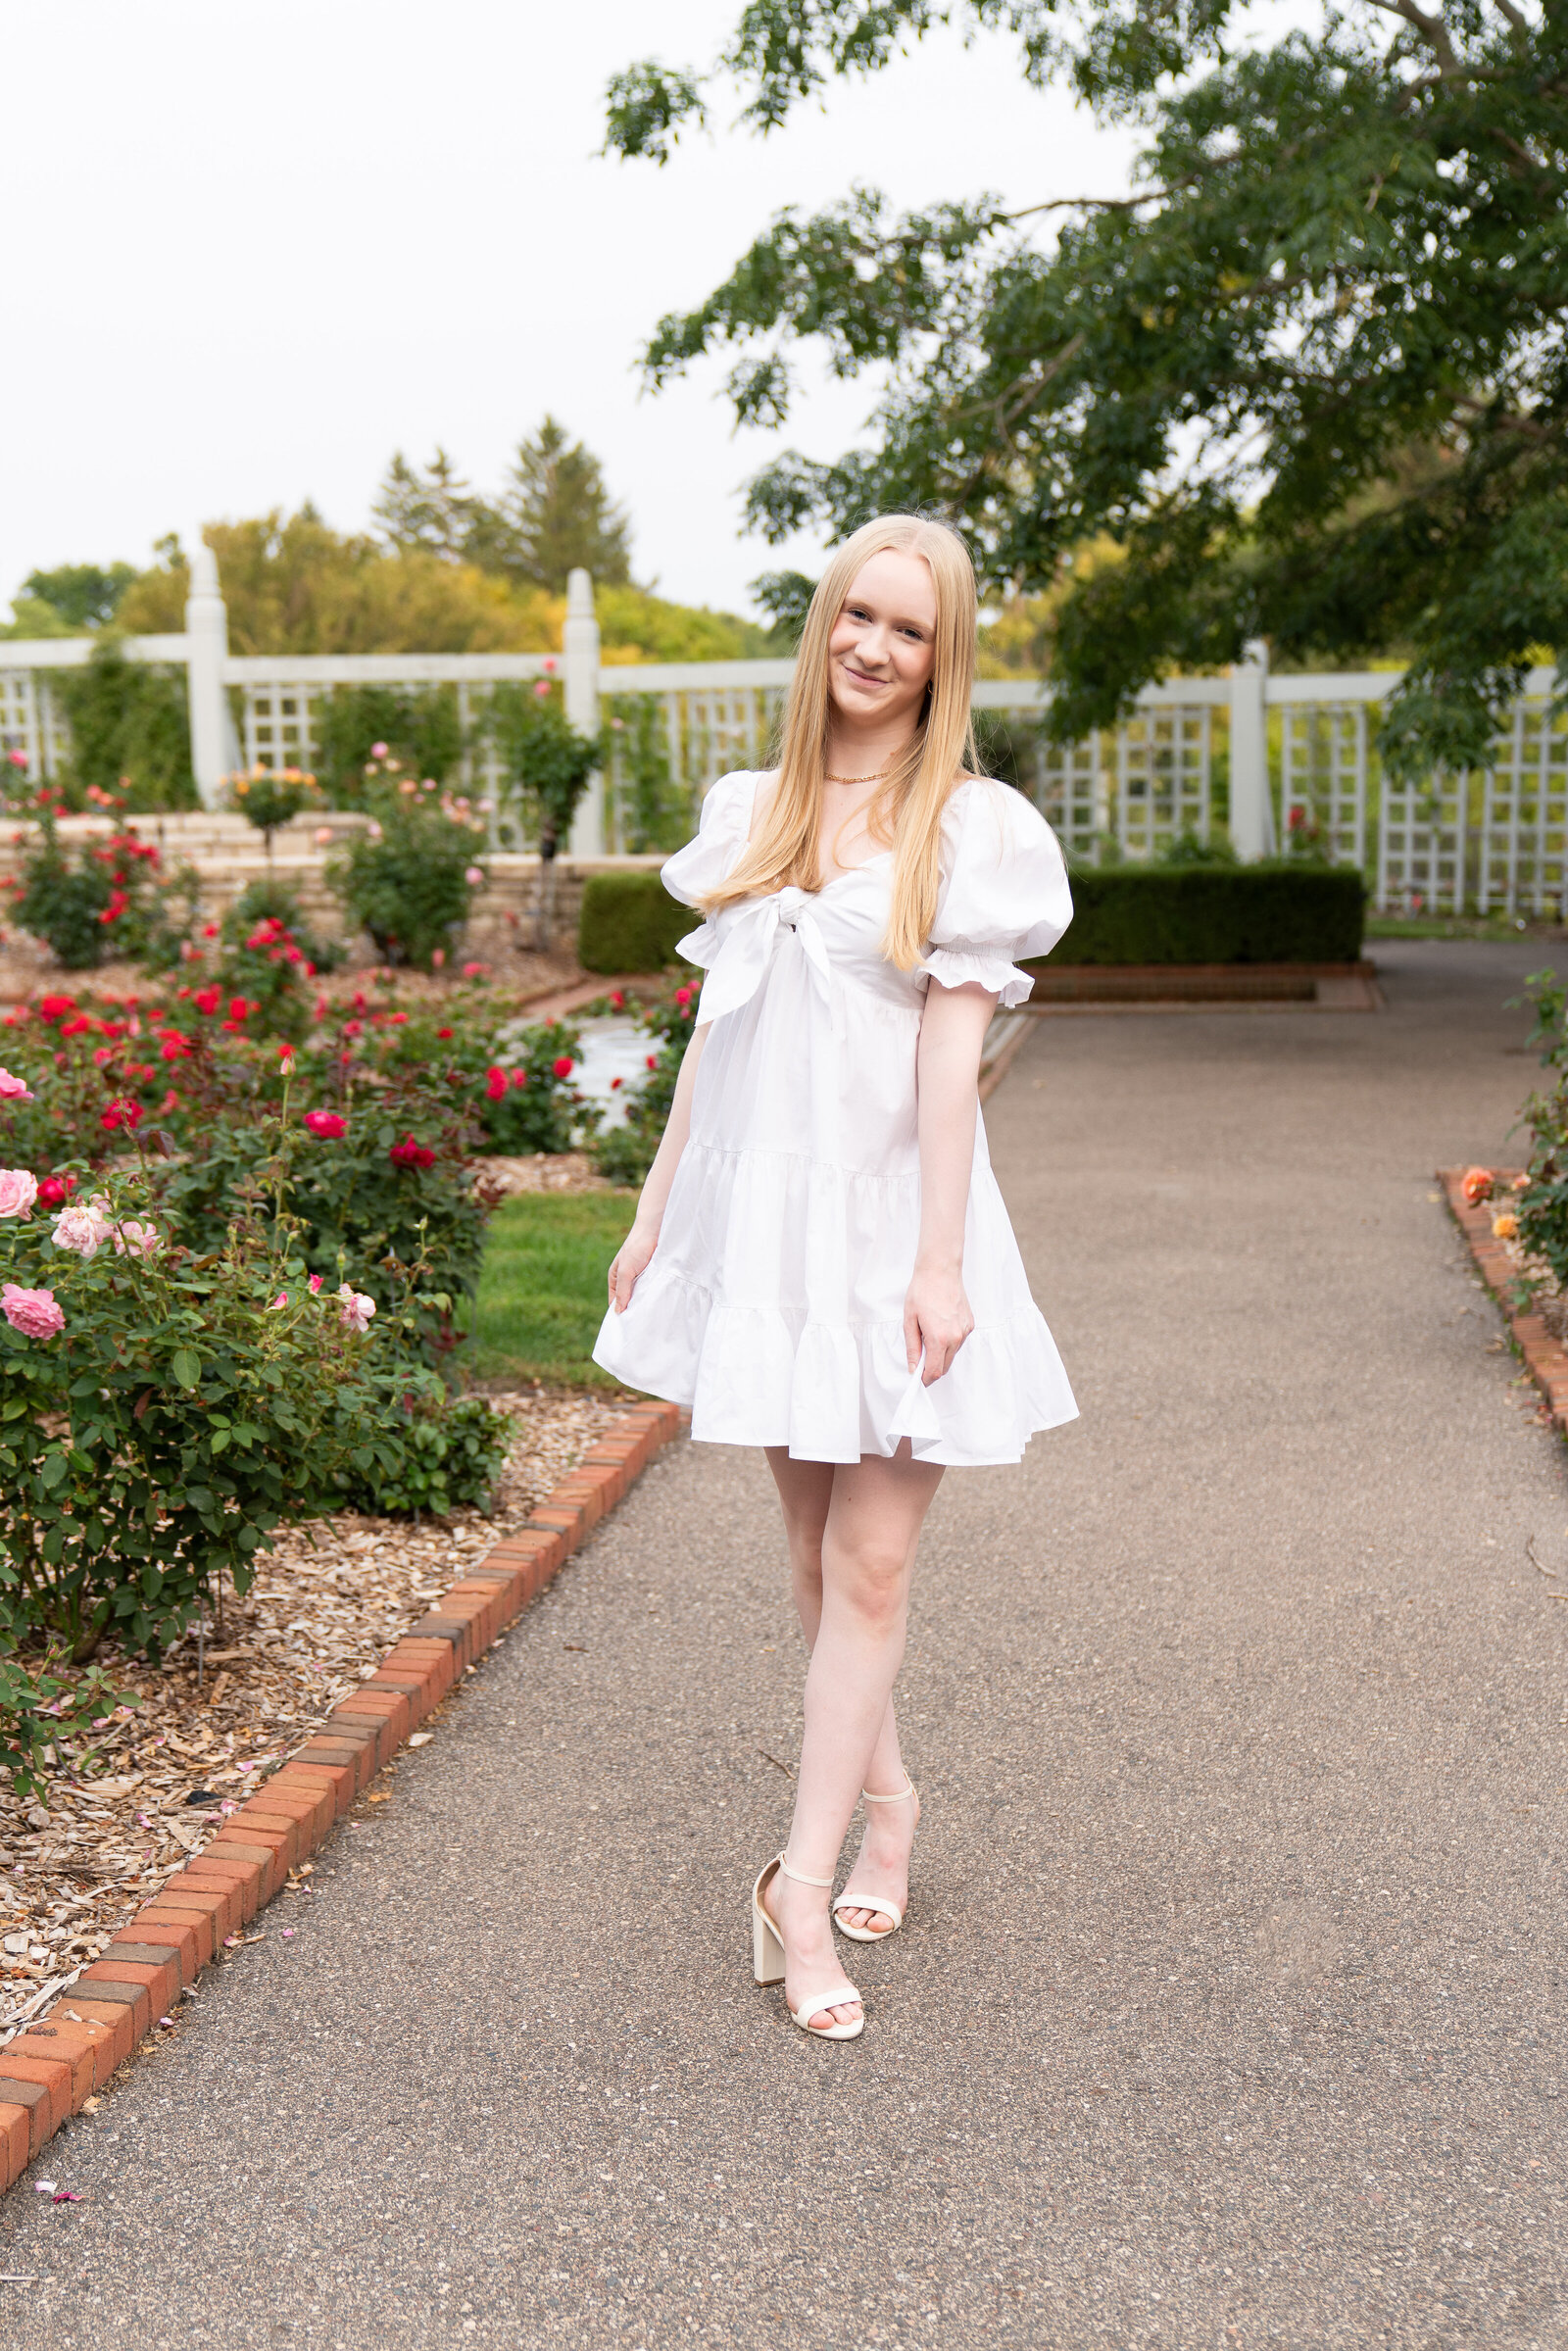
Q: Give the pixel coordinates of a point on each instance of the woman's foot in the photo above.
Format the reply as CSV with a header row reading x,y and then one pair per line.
x,y
800,1913
882,1865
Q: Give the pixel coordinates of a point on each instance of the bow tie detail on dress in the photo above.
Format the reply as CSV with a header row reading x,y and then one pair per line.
x,y
751,937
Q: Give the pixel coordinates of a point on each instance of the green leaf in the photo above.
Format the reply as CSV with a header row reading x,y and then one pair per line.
x,y
185,1366
53,1471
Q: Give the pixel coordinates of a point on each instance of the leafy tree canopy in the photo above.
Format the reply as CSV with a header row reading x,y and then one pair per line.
x,y
83,595
1310,376
293,584
553,513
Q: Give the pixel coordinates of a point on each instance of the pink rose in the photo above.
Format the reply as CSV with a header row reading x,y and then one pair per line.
x,y
34,1312
281,1300
316,1284
134,1240
356,1308
378,751
326,1125
82,1227
18,1191
14,1089
474,876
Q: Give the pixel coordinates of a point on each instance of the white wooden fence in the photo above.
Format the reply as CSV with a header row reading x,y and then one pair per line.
x,y
1260,758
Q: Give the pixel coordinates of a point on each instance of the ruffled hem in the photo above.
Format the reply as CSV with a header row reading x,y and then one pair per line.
x,y
958,967
758,1375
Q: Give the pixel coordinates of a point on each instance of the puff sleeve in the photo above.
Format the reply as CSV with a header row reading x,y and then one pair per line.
x,y
1003,892
721,834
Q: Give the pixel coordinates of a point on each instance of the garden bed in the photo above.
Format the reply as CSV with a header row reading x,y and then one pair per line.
x,y
1535,1310
326,1606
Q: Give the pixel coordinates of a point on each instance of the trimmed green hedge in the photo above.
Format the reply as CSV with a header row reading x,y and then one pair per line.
x,y
1272,912
630,923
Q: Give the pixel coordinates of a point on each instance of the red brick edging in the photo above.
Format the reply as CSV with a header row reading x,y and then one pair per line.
x,y
1546,1357
52,2067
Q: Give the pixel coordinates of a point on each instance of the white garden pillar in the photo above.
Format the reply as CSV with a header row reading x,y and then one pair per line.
x,y
580,667
1251,809
207,628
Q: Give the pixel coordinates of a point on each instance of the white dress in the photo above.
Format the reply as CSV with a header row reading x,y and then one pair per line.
x,y
773,1305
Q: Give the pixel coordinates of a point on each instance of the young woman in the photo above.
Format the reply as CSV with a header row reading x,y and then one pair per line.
x,y
821,1264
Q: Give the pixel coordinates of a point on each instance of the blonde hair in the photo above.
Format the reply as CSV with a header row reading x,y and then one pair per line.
x,y
904,813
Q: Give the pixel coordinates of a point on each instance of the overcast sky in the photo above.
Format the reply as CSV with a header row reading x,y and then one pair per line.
x,y
253,249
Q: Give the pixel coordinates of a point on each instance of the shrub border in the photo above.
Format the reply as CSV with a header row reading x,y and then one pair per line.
x,y
56,2063
1546,1357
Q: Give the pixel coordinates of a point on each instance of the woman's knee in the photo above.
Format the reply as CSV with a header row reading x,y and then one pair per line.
x,y
872,1581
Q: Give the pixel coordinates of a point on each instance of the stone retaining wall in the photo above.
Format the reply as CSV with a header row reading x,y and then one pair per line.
x,y
228,852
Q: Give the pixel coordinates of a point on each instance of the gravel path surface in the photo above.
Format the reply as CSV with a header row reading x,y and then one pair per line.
x,y
1227,2010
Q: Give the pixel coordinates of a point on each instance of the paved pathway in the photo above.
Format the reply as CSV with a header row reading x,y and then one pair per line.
x,y
1228,2009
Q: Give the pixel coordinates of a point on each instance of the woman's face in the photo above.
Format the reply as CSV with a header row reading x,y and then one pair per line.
x,y
883,645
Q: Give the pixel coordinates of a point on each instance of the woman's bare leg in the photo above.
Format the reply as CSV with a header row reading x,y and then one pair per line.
x,y
863,1541
882,1865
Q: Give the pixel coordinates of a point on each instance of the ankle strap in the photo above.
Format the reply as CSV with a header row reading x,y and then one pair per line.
x,y
800,1876
897,1796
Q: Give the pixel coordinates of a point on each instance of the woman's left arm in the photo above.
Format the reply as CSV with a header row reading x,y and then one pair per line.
x,y
952,1032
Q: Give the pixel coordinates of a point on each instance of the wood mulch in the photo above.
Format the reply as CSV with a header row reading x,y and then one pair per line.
x,y
159,1776
516,976
546,1171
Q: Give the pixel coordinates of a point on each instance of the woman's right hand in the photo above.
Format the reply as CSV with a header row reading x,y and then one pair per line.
x,y
631,1263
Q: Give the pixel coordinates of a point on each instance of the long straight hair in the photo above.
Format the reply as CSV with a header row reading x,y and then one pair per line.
x,y
904,813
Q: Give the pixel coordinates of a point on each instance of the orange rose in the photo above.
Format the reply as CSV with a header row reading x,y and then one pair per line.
x,y
1475,1186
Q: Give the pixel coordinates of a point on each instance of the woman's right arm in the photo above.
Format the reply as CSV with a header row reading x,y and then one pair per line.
x,y
632,1257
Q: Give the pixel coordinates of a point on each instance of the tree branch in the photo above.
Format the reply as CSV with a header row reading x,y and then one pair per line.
x,y
1429,28
1516,17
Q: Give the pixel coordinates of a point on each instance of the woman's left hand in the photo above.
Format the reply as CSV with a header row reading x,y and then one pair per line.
x,y
936,1320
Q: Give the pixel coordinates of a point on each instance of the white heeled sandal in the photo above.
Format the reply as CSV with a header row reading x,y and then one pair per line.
x,y
877,1902
767,1960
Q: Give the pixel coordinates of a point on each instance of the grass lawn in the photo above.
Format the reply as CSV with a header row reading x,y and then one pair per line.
x,y
542,1290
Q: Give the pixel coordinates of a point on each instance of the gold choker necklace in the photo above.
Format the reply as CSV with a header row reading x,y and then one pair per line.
x,y
853,779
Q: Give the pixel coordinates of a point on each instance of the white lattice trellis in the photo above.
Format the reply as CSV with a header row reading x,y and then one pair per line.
x,y
716,730
1072,791
1421,845
30,722
1522,863
279,729
1164,778
1323,761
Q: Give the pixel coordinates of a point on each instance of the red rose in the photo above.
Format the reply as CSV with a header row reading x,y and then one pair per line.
x,y
562,1065
121,1114
443,1032
326,1125
408,1154
495,1084
55,1191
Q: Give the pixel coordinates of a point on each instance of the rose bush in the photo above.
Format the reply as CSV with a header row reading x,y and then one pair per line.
x,y
409,879
411,1223
110,895
624,1153
163,1411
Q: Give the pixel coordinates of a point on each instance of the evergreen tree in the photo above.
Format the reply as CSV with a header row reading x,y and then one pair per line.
x,y
560,514
435,509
